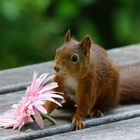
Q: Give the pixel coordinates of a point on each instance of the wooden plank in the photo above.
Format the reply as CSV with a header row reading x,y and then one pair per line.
x,y
18,78
123,130
127,55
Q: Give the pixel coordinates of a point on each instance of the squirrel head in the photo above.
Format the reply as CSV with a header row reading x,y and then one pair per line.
x,y
73,57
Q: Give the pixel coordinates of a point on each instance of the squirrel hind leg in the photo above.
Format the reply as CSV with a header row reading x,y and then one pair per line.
x,y
96,113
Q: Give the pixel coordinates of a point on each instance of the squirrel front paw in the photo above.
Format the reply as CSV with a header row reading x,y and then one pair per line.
x,y
77,122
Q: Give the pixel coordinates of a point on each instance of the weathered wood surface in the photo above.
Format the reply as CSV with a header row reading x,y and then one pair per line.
x,y
14,81
122,130
63,125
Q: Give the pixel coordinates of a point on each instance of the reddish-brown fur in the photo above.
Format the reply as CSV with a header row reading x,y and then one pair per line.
x,y
130,85
93,81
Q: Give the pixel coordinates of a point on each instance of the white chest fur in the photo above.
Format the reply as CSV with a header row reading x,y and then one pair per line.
x,y
70,87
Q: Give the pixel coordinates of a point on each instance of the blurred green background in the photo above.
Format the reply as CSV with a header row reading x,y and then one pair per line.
x,y
31,30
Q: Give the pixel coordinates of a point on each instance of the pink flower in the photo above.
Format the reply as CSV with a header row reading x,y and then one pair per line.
x,y
41,89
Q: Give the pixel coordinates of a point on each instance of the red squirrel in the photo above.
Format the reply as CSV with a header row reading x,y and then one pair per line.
x,y
90,78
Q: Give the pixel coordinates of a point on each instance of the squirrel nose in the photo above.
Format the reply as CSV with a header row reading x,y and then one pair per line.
x,y
56,68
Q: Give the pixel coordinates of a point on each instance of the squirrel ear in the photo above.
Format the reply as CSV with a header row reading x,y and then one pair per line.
x,y
67,36
86,42
85,45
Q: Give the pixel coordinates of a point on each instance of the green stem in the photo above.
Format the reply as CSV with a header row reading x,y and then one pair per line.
x,y
46,117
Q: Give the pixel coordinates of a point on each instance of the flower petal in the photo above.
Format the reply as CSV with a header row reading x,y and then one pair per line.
x,y
18,123
42,78
49,95
47,80
40,108
49,86
54,101
38,102
38,118
35,74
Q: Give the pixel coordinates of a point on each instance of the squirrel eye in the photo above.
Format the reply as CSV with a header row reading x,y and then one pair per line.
x,y
75,58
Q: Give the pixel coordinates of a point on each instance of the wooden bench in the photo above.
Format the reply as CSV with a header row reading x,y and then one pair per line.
x,y
122,123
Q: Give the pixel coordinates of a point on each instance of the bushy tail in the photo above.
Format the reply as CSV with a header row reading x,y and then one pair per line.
x,y
130,85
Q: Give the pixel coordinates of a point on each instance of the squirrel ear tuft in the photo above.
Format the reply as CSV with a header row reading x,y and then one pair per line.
x,y
86,42
67,36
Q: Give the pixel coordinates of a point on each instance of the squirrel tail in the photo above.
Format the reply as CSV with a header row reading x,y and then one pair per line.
x,y
130,85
